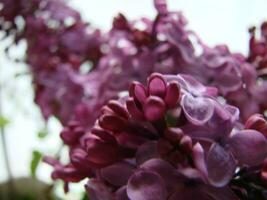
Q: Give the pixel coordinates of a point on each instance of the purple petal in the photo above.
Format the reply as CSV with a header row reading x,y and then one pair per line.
x,y
146,151
145,185
121,194
112,122
161,6
117,174
257,122
164,169
233,111
104,135
97,190
223,193
189,194
130,140
199,159
229,80
101,153
156,85
172,95
118,108
198,110
138,91
186,144
221,166
249,147
154,108
196,88
133,110
174,135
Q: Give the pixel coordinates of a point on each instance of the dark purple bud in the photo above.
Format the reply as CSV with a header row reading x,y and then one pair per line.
x,y
257,122
172,96
112,122
174,135
118,108
133,110
104,135
138,91
157,85
154,108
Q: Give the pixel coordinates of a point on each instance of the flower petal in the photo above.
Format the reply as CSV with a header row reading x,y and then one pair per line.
x,y
121,194
146,151
257,122
161,6
117,174
199,159
221,166
118,108
172,95
189,194
249,147
154,108
112,122
164,169
198,110
146,185
138,91
97,190
157,85
133,109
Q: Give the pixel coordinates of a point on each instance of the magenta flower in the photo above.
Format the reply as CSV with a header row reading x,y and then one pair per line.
x,y
157,144
258,49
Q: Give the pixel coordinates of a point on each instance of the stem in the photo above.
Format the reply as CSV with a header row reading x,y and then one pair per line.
x,y
11,186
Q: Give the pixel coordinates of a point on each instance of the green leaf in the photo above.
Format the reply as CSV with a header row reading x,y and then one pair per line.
x,y
42,133
36,158
85,197
19,74
170,120
3,121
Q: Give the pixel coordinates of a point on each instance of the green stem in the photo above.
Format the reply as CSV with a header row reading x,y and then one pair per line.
x,y
11,186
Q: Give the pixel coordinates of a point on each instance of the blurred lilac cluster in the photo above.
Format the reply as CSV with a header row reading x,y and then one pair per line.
x,y
172,139
58,42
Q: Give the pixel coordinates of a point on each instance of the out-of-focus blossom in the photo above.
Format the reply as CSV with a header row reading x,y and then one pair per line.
x,y
258,49
131,50
58,43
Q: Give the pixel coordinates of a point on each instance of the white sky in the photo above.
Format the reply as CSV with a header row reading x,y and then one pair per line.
x,y
215,21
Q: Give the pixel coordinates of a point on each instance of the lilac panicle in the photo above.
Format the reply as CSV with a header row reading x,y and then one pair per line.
x,y
169,138
60,43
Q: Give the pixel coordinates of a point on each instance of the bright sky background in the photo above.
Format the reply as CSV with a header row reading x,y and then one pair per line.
x,y
215,22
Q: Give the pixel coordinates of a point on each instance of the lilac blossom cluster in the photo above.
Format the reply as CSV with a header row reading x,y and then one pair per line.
x,y
258,49
60,43
173,138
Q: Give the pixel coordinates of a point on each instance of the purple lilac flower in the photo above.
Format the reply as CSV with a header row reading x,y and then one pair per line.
x,y
157,144
131,53
58,43
258,49
171,111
